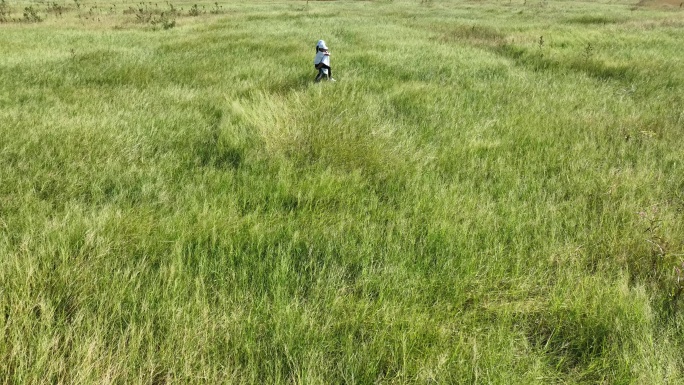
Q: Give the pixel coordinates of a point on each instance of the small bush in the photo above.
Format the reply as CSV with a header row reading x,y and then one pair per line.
x,y
31,15
4,11
194,10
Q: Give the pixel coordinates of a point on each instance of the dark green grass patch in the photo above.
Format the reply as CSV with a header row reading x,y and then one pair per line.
x,y
593,20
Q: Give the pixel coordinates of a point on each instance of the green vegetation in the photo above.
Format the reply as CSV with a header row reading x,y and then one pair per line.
x,y
492,192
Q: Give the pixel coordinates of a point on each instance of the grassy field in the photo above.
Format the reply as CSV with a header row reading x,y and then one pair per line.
x,y
492,192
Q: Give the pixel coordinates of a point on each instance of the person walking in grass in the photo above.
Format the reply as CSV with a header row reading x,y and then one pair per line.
x,y
322,62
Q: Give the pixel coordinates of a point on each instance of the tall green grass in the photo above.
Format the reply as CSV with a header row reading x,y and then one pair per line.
x,y
490,193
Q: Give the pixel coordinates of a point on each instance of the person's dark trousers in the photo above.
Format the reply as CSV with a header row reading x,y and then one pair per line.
x,y
321,74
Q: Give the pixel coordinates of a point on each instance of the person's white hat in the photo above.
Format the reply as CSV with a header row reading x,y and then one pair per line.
x,y
321,44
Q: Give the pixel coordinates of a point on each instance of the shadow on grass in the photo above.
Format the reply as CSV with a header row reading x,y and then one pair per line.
x,y
576,344
292,84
